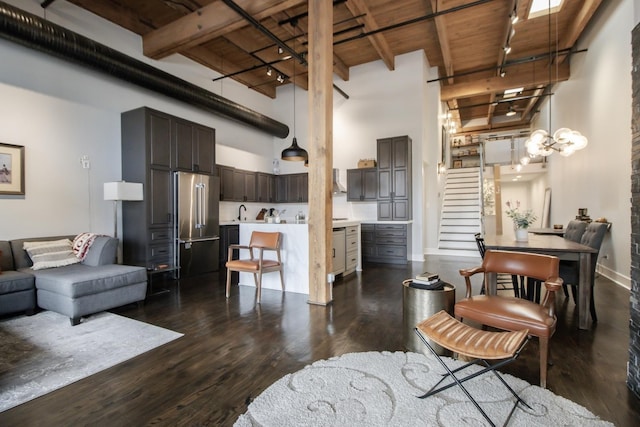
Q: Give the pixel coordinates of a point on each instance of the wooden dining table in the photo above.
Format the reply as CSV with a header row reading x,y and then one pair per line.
x,y
556,246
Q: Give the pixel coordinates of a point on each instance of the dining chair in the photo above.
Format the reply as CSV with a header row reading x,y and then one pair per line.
x,y
570,270
256,263
503,280
511,313
574,231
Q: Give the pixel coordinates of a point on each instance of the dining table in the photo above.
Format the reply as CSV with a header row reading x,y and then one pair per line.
x,y
560,247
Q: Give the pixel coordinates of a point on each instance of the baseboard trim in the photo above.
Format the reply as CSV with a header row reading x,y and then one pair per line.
x,y
614,276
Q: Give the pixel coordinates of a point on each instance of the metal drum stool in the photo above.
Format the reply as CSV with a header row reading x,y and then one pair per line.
x,y
480,345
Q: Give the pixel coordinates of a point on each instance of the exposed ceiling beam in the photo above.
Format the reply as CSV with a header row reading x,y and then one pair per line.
x,y
207,23
378,41
443,39
559,73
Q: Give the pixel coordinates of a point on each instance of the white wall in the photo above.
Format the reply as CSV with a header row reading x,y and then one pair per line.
x,y
597,102
60,111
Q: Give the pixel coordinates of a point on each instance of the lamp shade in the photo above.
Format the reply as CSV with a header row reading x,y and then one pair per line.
x,y
122,190
294,153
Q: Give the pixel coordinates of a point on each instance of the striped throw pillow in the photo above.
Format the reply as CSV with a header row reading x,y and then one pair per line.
x,y
50,254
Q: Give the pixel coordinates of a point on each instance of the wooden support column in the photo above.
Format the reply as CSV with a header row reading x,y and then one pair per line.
x,y
498,197
320,150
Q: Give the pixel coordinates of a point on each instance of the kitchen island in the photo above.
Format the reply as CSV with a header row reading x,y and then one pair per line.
x,y
294,254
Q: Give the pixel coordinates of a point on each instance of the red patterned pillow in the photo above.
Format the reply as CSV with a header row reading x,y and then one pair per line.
x,y
81,244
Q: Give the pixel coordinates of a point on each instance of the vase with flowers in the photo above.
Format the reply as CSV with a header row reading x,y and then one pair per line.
x,y
522,220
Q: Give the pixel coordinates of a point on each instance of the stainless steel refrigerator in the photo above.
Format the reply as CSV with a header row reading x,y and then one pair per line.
x,y
197,223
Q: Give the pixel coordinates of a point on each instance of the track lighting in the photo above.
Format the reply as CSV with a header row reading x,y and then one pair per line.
x,y
269,71
507,49
511,111
513,17
503,73
280,50
280,78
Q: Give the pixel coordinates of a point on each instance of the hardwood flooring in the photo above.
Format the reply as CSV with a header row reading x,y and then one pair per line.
x,y
233,349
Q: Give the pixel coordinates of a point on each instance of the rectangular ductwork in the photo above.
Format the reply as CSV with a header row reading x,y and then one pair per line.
x,y
337,187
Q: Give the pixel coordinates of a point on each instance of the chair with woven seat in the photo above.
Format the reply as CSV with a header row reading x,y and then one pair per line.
x,y
256,263
570,270
481,346
511,313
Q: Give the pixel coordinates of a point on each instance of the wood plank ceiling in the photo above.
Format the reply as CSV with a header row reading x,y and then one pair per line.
x,y
465,39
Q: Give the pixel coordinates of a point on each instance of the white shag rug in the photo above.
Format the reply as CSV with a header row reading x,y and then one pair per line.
x,y
380,389
41,353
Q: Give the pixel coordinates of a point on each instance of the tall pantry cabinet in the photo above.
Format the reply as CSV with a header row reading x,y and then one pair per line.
x,y
394,179
154,145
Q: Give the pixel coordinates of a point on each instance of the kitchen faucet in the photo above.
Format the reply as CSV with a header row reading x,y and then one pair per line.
x,y
240,211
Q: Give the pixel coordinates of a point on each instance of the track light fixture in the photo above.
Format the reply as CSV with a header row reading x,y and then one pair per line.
x,y
511,112
507,49
269,71
280,50
280,78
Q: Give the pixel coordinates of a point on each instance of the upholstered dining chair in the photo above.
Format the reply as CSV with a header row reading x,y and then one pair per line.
x,y
574,231
511,313
570,270
256,263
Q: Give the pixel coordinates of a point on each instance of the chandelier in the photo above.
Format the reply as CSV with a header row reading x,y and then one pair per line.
x,y
564,141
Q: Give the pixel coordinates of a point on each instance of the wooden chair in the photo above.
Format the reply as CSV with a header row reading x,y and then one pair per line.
x,y
503,280
256,264
511,313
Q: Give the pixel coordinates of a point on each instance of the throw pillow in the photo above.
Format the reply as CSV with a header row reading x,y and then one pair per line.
x,y
49,254
81,244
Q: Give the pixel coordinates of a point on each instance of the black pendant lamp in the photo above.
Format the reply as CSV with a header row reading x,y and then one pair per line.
x,y
295,153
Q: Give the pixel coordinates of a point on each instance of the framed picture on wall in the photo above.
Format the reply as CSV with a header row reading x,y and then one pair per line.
x,y
11,169
457,164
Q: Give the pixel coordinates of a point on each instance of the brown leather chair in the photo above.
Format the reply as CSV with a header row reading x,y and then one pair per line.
x,y
256,264
510,313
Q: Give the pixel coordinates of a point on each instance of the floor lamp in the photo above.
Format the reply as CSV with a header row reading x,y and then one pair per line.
x,y
121,191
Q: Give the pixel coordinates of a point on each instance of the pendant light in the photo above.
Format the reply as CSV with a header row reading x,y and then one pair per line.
x,y
564,141
294,152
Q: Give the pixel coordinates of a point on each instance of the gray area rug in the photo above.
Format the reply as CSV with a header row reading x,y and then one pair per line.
x,y
41,353
380,389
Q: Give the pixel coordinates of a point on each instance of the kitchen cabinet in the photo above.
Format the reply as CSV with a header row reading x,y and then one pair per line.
x,y
292,188
244,186
229,235
237,185
386,243
338,263
193,147
298,188
147,158
394,179
351,249
266,187
362,185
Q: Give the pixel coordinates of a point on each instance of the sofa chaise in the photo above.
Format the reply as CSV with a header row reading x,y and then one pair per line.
x,y
95,284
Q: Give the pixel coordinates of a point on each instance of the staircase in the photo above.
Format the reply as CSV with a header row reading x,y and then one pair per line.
x,y
460,217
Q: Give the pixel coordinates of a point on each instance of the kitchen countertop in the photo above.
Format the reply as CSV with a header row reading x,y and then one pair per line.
x,y
336,223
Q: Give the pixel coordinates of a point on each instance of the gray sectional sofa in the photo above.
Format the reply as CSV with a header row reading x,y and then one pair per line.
x,y
94,285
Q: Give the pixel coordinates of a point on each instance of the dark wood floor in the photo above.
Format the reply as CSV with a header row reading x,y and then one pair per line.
x,y
232,350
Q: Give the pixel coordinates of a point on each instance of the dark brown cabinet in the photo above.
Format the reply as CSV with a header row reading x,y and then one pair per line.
x,y
193,147
154,145
229,235
266,187
297,188
244,186
292,188
394,178
362,185
386,243
237,185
